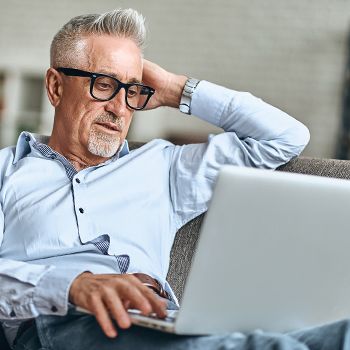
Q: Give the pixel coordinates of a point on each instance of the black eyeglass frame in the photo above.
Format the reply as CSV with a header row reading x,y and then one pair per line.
x,y
73,72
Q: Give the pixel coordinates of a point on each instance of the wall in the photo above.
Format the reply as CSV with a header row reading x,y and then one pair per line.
x,y
290,53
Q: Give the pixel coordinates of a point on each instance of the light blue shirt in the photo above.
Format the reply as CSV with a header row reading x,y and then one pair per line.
x,y
49,212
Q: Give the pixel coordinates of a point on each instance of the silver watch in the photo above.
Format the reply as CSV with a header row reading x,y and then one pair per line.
x,y
186,97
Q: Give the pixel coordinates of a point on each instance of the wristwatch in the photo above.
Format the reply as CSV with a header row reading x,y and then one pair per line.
x,y
186,97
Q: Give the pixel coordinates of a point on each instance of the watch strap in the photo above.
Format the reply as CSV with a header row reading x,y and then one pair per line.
x,y
186,97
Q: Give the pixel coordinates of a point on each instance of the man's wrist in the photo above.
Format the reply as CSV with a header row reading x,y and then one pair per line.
x,y
73,286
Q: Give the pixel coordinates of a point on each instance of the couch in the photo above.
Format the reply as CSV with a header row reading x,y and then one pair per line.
x,y
187,236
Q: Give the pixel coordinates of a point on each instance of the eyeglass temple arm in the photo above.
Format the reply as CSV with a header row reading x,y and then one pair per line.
x,y
74,72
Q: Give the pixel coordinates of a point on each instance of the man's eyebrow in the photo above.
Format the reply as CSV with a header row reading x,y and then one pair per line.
x,y
132,80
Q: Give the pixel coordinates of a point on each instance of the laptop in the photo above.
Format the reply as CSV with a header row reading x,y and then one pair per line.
x,y
273,254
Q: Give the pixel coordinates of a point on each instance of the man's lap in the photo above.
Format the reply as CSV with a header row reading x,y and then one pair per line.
x,y
80,331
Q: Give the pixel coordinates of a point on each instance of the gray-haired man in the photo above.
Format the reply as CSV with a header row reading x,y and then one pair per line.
x,y
86,222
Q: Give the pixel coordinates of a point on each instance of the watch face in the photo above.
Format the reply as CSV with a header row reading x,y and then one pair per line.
x,y
184,108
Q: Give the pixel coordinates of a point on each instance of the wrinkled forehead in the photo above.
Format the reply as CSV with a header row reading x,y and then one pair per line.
x,y
116,56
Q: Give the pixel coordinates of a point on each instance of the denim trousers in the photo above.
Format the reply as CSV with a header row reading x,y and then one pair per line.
x,y
78,331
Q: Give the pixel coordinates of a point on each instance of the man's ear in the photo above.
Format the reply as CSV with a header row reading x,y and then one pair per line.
x,y
54,88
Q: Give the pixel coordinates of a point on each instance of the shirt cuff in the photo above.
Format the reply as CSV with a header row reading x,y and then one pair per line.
x,y
52,291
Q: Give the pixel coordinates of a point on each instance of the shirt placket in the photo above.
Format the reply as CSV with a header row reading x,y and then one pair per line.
x,y
81,207
78,188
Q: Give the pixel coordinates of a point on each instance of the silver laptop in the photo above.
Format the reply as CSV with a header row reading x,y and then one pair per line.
x,y
273,254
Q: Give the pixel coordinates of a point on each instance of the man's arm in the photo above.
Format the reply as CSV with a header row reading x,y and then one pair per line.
x,y
28,290
256,135
241,113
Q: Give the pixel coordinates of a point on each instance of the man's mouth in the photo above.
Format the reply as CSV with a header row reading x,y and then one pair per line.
x,y
109,126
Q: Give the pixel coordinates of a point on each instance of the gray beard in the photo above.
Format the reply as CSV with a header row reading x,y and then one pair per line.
x,y
102,145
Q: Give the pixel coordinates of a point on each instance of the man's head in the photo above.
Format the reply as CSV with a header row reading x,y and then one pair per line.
x,y
89,116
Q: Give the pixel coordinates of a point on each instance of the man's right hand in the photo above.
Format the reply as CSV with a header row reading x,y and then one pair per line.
x,y
110,295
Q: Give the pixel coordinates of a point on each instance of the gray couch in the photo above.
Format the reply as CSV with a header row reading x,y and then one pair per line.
x,y
187,236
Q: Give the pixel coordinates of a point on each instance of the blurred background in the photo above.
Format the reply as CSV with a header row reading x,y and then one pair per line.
x,y
293,54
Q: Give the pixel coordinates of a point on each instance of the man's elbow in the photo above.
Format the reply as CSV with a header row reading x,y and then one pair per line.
x,y
298,138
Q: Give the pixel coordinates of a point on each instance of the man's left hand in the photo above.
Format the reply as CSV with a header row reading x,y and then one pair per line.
x,y
168,86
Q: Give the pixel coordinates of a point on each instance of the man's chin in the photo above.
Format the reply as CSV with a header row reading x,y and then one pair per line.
x,y
104,149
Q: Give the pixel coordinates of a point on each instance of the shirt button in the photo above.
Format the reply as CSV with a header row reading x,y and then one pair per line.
x,y
77,180
54,309
27,138
13,314
53,156
81,210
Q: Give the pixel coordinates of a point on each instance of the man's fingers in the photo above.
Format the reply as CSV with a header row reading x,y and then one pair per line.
x,y
102,316
117,310
126,304
132,292
109,296
158,304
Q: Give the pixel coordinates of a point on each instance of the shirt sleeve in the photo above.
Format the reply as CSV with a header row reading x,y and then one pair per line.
x,y
28,290
256,135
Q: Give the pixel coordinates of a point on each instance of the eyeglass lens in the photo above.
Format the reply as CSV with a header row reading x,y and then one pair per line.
x,y
105,87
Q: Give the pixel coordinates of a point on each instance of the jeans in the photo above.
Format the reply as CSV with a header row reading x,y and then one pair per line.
x,y
78,331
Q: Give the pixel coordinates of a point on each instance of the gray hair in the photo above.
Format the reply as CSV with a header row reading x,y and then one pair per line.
x,y
125,23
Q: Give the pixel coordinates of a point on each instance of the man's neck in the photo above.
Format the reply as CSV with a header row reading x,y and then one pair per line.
x,y
79,159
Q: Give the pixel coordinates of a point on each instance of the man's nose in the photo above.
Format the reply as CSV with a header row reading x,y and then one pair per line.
x,y
117,104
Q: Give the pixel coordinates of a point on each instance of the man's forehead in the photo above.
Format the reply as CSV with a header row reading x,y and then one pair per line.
x,y
118,57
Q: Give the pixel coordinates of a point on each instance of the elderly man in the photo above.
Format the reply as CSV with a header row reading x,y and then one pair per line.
x,y
85,222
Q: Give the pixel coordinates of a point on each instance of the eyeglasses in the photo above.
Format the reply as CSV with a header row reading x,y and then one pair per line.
x,y
104,87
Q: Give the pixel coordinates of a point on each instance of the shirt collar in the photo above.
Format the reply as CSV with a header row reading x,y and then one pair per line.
x,y
26,139
23,145
124,150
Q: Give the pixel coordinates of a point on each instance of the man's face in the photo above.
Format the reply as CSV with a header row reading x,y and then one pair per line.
x,y
95,126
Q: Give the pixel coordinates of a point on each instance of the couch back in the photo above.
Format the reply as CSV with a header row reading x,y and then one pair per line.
x,y
186,238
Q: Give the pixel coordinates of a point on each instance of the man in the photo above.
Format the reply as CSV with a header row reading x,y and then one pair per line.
x,y
84,222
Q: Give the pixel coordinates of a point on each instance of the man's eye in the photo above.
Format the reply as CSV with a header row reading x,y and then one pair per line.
x,y
104,86
132,92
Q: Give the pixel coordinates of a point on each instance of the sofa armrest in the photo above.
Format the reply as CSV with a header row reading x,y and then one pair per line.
x,y
317,166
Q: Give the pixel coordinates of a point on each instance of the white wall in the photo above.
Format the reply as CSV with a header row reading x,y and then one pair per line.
x,y
290,53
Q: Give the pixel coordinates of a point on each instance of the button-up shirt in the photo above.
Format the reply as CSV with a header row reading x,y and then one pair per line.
x,y
50,214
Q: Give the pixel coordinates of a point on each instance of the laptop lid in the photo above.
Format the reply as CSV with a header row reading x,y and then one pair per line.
x,y
273,254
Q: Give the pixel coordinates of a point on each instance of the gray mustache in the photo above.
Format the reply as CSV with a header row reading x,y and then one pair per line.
x,y
110,118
